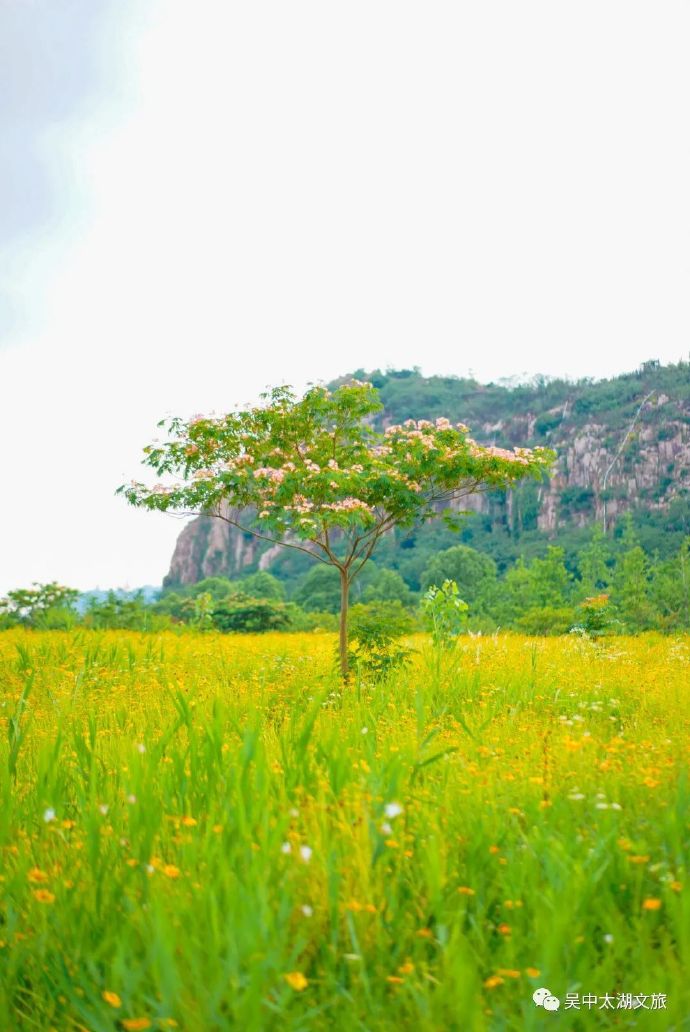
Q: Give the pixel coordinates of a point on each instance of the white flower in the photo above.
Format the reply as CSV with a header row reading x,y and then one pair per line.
x,y
307,910
393,810
386,828
616,806
608,938
294,812
103,808
149,868
286,848
576,795
305,852
141,747
365,730
49,815
131,799
602,806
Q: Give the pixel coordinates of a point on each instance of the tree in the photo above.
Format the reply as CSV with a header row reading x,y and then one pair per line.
x,y
44,604
388,586
535,596
313,474
240,612
260,585
592,563
670,589
474,573
550,580
631,581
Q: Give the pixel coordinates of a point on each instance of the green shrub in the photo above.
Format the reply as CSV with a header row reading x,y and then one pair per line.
x,y
546,620
250,615
375,632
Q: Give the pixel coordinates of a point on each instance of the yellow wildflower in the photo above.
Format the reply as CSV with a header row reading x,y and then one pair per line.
x,y
44,896
296,981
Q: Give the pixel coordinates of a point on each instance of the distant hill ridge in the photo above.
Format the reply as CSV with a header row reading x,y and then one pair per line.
x,y
622,444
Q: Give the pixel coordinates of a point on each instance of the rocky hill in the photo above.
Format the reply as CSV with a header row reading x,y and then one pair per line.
x,y
622,444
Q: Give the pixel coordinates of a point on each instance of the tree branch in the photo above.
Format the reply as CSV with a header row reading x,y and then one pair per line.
x,y
263,537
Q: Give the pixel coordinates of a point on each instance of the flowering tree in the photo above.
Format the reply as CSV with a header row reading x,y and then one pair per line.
x,y
314,474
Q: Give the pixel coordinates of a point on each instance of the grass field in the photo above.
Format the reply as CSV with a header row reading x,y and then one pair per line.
x,y
206,832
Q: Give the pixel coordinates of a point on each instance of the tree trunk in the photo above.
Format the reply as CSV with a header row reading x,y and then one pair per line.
x,y
344,601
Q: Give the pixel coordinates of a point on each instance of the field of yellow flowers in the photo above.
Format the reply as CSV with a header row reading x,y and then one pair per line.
x,y
208,832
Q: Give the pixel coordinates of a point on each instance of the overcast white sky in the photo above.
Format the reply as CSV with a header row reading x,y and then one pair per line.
x,y
201,199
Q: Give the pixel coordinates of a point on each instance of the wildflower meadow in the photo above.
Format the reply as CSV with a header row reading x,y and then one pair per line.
x,y
210,832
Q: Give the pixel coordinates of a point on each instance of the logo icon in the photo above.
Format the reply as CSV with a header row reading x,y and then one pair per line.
x,y
543,998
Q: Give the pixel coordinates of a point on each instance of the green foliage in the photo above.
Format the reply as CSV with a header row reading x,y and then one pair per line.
x,y
260,585
387,586
445,613
375,632
319,590
46,606
669,590
631,582
200,609
545,620
474,574
593,563
250,615
130,613
595,617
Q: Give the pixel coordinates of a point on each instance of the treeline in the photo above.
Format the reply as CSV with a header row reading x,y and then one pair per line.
x,y
545,595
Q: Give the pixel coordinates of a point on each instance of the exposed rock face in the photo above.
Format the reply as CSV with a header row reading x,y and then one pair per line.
x,y
209,547
590,483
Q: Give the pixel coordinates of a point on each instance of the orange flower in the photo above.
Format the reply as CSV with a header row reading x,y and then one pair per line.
x,y
493,981
504,929
36,876
135,1024
508,973
170,871
112,998
676,886
296,981
465,890
44,896
407,968
189,822
651,904
532,972
394,980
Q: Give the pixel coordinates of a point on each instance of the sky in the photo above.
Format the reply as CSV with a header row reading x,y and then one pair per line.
x,y
201,200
